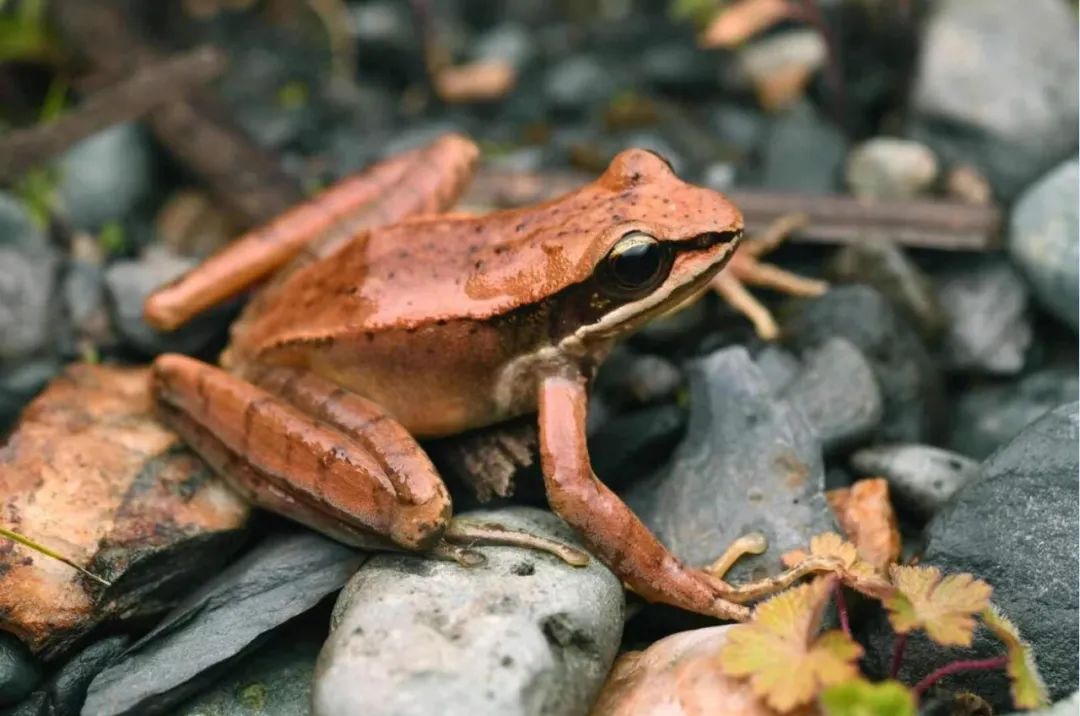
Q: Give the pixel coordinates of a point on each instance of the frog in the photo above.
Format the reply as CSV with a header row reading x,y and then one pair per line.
x,y
381,318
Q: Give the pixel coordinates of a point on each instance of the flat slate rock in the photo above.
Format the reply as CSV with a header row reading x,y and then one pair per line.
x,y
523,633
1015,527
281,578
750,462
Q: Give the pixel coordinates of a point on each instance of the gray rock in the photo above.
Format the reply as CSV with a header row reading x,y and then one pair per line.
x,y
1066,707
1043,241
890,168
802,152
879,262
17,228
1015,527
20,382
990,414
838,393
628,378
578,82
737,125
997,87
27,305
778,366
679,67
989,330
274,681
632,445
19,670
523,633
104,177
508,41
922,477
284,576
909,382
65,690
750,462
129,282
763,58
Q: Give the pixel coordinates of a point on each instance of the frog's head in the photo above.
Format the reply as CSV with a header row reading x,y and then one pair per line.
x,y
663,241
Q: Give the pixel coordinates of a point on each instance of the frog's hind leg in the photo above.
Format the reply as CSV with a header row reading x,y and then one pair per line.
x,y
746,269
314,453
424,180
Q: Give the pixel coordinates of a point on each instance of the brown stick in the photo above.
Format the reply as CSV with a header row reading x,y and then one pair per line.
x,y
148,87
831,218
244,177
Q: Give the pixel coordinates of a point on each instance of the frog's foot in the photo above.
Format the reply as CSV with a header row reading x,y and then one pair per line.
x,y
747,269
468,533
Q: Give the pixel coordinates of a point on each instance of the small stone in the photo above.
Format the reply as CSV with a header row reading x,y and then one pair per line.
x,y
922,477
65,691
1043,241
274,681
988,415
17,227
781,65
628,378
1008,108
509,41
522,633
19,670
680,68
20,382
750,462
838,393
578,82
967,184
879,262
1015,528
284,576
890,168
104,177
802,152
632,445
27,308
989,330
736,125
909,380
130,282
778,366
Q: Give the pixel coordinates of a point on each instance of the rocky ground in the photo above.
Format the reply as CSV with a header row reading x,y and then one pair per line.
x,y
952,374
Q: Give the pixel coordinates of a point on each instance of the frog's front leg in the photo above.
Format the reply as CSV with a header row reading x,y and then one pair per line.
x,y
300,447
614,533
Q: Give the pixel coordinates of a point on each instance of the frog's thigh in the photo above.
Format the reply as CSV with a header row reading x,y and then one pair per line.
x,y
344,468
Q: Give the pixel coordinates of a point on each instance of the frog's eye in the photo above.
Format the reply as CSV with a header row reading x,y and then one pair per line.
x,y
635,265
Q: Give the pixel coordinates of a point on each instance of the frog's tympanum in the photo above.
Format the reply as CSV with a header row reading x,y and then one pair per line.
x,y
387,322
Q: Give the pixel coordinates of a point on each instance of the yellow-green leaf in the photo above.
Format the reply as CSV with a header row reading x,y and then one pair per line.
x,y
943,607
859,697
1028,689
780,652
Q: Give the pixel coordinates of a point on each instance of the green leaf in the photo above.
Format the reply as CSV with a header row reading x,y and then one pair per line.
x,y
859,697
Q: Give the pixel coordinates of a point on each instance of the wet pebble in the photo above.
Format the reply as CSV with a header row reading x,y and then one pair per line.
x,y
633,444
989,328
802,151
879,262
989,414
750,462
1009,108
1014,527
17,229
890,168
922,477
283,577
274,681
64,692
578,82
1044,243
104,177
523,633
19,670
129,282
909,380
838,392
27,306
